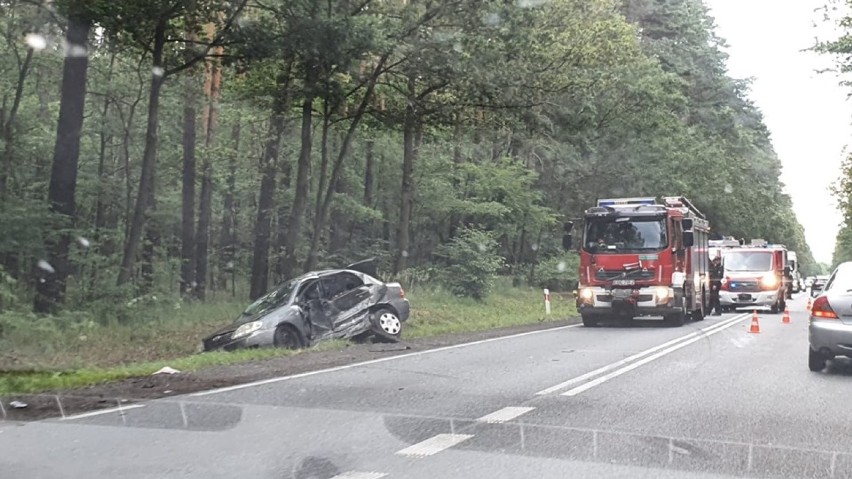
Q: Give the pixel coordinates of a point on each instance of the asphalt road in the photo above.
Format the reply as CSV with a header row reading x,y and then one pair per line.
x,y
706,400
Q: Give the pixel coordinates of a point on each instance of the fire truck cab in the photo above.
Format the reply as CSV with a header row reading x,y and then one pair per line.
x,y
756,275
641,257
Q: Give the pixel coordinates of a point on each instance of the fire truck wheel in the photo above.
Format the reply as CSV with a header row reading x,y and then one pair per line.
x,y
589,322
676,320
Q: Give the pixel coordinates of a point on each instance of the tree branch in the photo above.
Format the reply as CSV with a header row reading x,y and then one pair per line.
x,y
213,43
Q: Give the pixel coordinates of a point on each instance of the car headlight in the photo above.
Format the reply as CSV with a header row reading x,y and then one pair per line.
x,y
769,280
587,294
246,329
662,293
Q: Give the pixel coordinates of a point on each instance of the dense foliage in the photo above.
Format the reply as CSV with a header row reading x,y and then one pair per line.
x,y
164,147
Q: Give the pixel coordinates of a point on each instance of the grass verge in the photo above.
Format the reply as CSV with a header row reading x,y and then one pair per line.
x,y
50,356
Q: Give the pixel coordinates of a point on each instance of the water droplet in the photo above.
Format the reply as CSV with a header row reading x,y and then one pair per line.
x,y
41,280
561,266
35,41
154,298
83,337
158,71
193,284
492,19
404,254
482,247
729,189
457,47
229,265
534,246
85,243
75,51
530,3
45,266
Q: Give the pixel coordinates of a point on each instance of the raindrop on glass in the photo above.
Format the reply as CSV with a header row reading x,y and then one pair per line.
x,y
158,71
729,189
491,19
193,284
85,243
35,41
229,265
534,246
45,266
561,267
482,247
75,51
404,254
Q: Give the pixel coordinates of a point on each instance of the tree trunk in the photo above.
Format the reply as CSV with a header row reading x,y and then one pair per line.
x,y
205,207
105,140
294,222
187,248
227,238
262,227
50,290
144,196
409,131
9,127
149,248
316,237
323,207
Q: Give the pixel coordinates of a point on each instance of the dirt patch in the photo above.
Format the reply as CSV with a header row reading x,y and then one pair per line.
x,y
125,392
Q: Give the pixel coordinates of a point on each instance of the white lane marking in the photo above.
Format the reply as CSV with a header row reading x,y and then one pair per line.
x,y
626,369
505,414
375,361
629,359
102,411
434,445
360,475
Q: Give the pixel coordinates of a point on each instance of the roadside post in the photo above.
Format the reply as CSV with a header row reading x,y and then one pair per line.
x,y
546,301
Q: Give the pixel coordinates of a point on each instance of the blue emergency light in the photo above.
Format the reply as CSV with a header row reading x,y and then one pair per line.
x,y
627,202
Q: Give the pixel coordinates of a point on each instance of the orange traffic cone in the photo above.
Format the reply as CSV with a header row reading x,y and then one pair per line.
x,y
755,325
786,319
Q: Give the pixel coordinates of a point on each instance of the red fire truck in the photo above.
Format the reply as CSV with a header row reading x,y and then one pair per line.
x,y
755,275
641,257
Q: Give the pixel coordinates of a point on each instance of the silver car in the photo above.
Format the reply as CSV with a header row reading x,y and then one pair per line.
x,y
830,330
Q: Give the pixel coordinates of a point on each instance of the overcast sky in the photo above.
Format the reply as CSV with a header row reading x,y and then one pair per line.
x,y
807,113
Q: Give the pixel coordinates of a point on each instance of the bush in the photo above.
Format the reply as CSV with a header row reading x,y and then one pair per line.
x,y
558,273
472,263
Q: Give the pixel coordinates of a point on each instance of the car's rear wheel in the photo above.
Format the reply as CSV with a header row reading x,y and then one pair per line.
x,y
589,322
816,361
386,324
287,337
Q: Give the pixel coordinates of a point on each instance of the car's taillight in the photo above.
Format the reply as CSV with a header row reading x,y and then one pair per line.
x,y
401,293
821,309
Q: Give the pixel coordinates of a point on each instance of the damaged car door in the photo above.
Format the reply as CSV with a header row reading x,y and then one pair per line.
x,y
349,300
316,307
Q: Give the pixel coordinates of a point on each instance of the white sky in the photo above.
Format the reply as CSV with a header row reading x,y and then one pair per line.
x,y
807,113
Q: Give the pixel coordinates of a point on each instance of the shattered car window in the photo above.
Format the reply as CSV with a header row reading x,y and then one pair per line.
x,y
273,300
337,284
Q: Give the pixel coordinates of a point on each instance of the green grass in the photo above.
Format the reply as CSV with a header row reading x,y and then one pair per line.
x,y
40,354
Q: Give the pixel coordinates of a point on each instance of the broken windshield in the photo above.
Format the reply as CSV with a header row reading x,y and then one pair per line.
x,y
626,234
272,300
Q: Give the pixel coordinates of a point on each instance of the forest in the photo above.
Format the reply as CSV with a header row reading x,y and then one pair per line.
x,y
194,149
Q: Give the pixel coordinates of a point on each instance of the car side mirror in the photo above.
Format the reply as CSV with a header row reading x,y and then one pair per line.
x,y
688,239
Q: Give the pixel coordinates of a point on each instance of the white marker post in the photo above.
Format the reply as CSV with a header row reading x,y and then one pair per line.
x,y
547,301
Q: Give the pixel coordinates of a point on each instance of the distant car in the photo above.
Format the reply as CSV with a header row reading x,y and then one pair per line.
x,y
317,306
817,285
830,328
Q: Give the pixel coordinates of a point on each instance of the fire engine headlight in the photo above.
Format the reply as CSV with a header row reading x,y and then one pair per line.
x,y
586,294
769,280
662,293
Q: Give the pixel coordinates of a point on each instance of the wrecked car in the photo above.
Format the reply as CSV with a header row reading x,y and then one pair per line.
x,y
317,306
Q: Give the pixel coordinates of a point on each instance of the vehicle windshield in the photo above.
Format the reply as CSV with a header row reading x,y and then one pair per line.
x,y
625,235
748,261
270,301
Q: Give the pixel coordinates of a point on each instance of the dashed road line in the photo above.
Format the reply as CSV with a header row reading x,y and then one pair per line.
x,y
627,360
505,414
434,445
360,475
